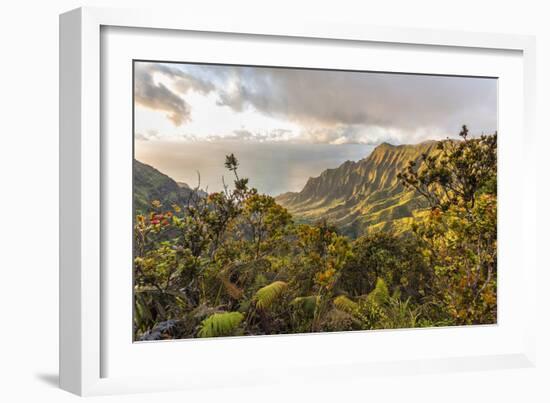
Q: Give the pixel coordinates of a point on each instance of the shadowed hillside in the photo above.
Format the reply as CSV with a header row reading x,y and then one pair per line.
x,y
151,184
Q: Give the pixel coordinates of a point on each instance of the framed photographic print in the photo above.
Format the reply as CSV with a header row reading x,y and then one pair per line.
x,y
253,194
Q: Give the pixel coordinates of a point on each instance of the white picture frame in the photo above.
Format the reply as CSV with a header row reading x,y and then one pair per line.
x,y
86,344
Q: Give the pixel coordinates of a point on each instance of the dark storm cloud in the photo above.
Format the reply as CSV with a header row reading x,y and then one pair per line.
x,y
157,96
353,102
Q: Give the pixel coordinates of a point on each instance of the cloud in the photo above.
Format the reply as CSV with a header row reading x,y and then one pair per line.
x,y
141,137
371,134
335,107
275,135
243,135
183,81
349,101
158,96
148,135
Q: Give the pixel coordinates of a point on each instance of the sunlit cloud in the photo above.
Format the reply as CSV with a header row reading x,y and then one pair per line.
x,y
154,94
317,106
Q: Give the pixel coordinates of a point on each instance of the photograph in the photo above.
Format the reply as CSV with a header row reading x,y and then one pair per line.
x,y
277,200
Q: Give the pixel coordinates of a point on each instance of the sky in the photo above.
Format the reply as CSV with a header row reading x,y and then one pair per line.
x,y
286,125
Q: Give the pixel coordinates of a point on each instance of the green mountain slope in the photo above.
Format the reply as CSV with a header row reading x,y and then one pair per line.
x,y
151,184
364,195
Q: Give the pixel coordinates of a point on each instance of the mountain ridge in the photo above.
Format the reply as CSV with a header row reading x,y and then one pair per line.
x,y
357,196
150,184
362,195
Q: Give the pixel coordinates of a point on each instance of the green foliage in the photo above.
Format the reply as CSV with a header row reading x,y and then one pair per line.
x,y
307,304
267,295
380,295
151,185
456,173
345,304
400,314
221,324
395,259
352,308
459,238
234,262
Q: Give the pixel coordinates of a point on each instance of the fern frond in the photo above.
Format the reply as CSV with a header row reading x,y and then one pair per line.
x,y
380,295
345,304
220,324
265,296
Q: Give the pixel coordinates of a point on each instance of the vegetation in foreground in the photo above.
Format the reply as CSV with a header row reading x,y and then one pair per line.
x,y
236,263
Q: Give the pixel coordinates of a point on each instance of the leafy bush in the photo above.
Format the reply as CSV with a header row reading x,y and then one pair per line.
x,y
221,324
234,262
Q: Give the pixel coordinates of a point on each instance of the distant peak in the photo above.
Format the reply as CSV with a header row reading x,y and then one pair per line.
x,y
385,145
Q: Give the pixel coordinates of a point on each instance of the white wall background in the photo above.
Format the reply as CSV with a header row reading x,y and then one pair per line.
x,y
29,201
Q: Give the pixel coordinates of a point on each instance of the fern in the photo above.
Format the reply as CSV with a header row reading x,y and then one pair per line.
x,y
265,296
345,304
380,295
220,324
